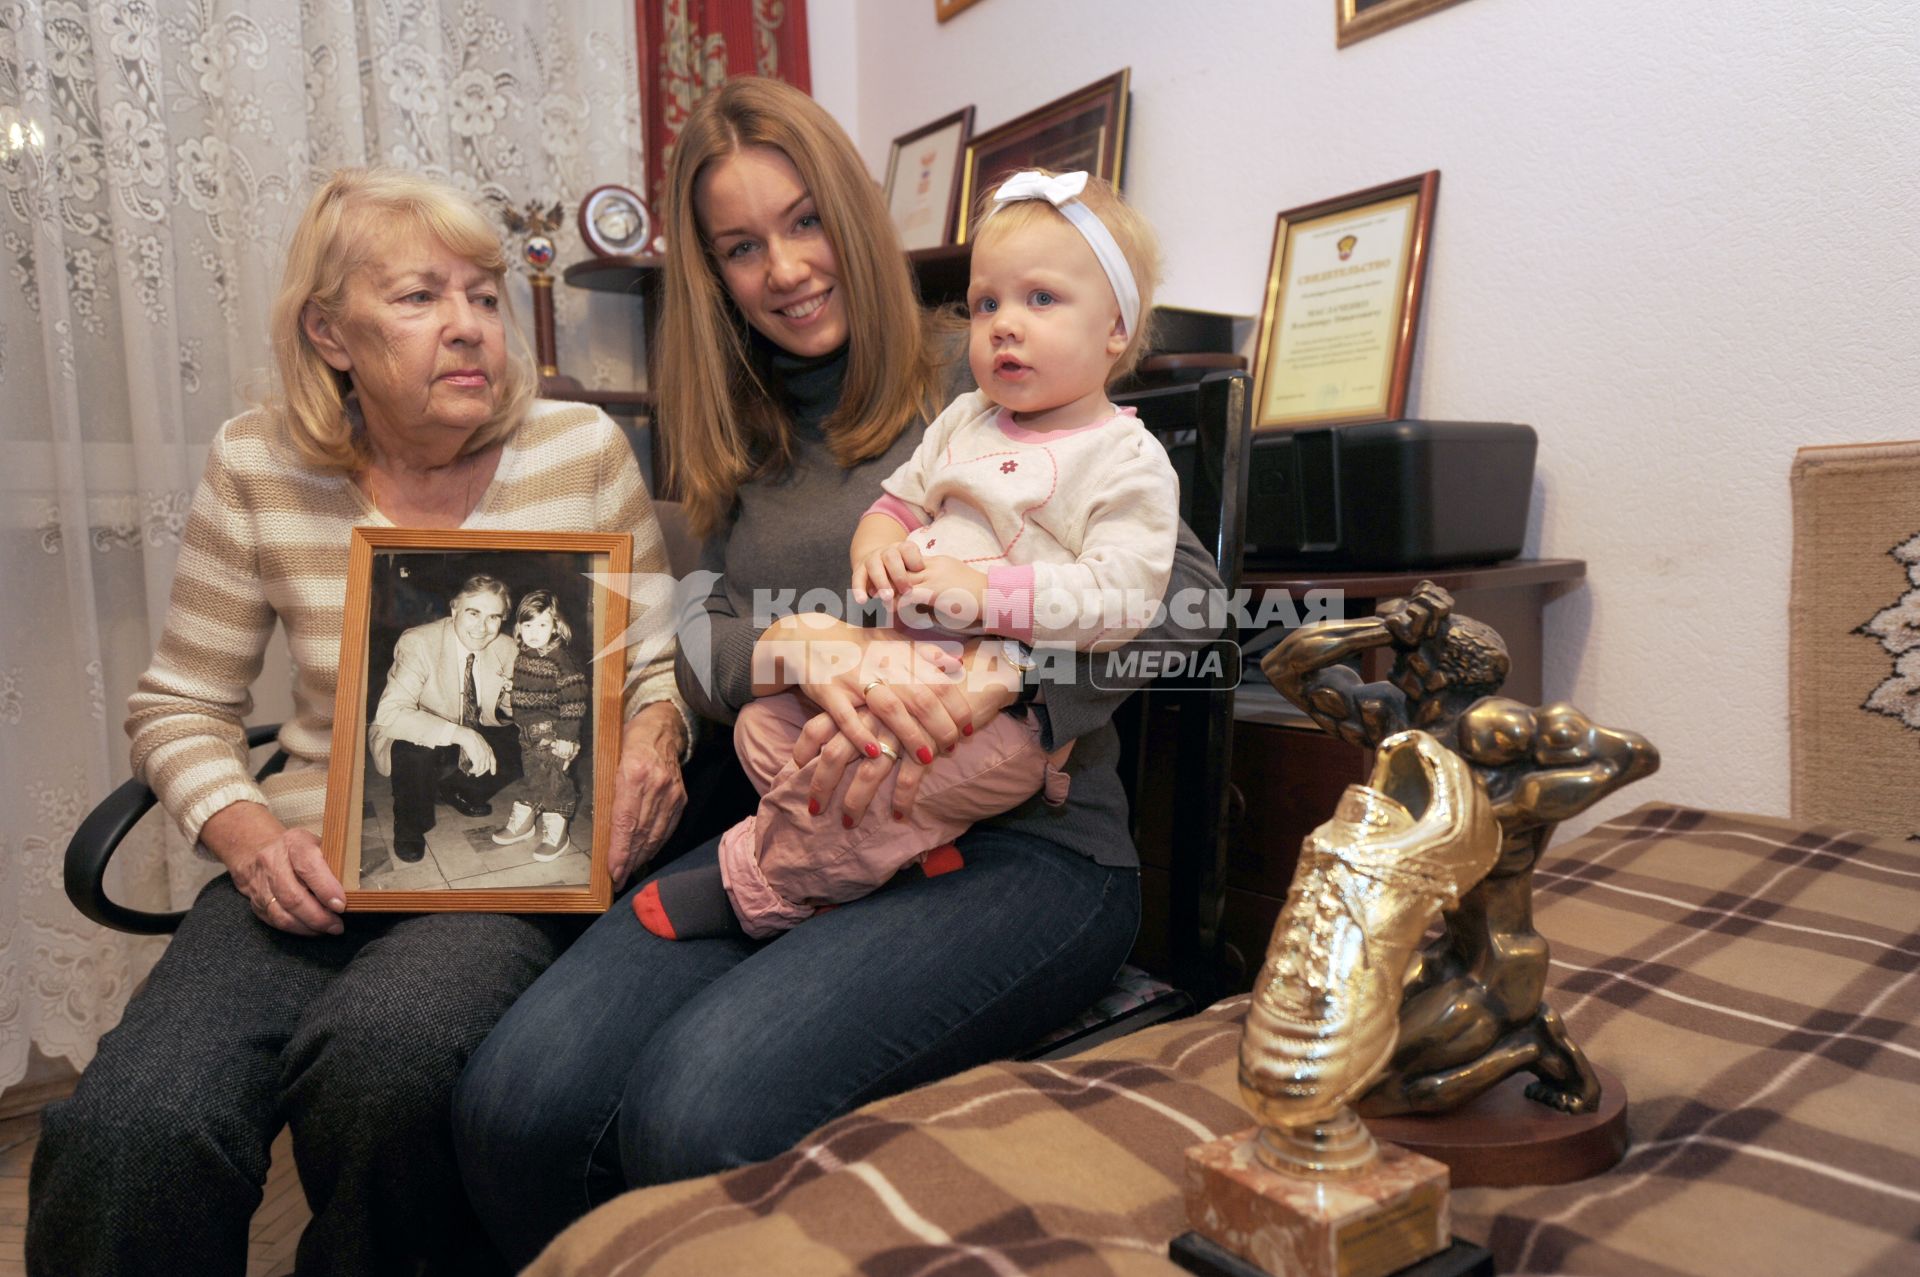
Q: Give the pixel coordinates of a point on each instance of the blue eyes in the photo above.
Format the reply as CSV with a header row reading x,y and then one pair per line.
x,y
808,223
1038,299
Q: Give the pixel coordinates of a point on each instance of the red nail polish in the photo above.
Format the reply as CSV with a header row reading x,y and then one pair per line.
x,y
967,730
813,806
873,751
846,822
925,755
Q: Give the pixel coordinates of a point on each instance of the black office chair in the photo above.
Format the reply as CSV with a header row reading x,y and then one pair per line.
x,y
1204,425
94,843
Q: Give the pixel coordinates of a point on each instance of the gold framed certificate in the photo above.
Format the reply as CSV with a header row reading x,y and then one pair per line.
x,y
923,180
1342,306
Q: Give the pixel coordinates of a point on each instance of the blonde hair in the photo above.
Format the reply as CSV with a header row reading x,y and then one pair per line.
x,y
342,231
1138,244
722,427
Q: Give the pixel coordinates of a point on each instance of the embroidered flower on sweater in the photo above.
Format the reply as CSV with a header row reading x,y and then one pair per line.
x,y
1008,467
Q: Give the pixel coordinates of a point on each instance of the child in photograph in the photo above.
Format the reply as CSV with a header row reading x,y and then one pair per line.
x,y
547,701
1033,509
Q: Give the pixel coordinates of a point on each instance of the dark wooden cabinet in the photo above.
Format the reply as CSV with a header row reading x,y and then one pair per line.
x,y
1288,776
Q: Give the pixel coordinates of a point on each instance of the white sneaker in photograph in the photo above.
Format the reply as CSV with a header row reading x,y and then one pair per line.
x,y
553,837
519,826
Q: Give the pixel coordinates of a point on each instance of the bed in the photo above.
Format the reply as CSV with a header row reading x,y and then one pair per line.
x,y
1752,981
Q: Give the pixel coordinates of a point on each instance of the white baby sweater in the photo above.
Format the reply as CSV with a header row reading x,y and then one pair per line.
x,y
1075,529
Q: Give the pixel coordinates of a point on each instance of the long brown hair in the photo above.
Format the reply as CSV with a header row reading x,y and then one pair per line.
x,y
721,424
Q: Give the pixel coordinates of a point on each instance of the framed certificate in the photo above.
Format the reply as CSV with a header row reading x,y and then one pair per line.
x,y
1086,129
1342,306
475,733
923,180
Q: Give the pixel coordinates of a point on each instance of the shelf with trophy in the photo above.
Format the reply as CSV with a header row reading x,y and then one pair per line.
x,y
612,221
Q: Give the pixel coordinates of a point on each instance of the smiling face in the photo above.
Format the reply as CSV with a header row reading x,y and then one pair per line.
x,y
772,252
537,630
421,334
1044,324
477,617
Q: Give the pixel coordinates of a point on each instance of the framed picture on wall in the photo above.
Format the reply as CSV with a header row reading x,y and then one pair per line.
x,y
1358,19
1086,129
476,734
923,180
1344,285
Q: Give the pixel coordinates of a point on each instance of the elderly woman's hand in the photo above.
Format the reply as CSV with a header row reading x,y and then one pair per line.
x,y
989,685
913,687
281,871
648,795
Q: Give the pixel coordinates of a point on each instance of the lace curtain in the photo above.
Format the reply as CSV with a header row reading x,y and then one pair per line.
x,y
153,155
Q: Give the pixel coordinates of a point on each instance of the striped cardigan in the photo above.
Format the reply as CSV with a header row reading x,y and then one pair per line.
x,y
267,541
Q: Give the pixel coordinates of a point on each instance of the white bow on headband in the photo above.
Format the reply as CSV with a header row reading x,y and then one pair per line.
x,y
1063,192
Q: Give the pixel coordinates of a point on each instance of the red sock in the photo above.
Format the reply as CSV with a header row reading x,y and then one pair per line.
x,y
943,859
647,908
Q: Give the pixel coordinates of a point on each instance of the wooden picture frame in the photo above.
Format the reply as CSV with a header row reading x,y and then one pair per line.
x,y
1086,129
1357,19
1344,286
410,592
923,180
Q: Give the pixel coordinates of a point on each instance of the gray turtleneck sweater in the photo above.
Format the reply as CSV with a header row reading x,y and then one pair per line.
x,y
792,533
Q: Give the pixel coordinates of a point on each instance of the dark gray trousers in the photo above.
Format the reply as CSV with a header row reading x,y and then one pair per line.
x,y
156,1163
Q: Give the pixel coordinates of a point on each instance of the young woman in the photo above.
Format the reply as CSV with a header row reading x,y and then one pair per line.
x,y
796,371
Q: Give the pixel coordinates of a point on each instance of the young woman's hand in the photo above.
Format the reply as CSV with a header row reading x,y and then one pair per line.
x,y
990,686
913,687
280,871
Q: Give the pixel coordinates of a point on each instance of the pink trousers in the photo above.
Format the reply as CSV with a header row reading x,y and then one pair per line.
x,y
780,864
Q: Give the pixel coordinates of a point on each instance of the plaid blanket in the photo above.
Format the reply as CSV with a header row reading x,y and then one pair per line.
x,y
1751,981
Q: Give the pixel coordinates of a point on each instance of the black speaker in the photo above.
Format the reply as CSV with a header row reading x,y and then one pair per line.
x,y
1390,494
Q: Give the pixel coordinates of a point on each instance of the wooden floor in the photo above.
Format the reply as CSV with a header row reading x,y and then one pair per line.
x,y
276,1225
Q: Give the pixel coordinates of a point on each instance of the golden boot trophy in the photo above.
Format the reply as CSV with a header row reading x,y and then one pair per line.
x,y
1309,1192
1474,1011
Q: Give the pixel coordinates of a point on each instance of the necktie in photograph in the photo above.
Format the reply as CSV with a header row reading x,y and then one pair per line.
x,y
469,698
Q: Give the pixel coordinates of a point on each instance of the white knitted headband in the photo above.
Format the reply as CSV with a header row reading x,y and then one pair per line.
x,y
1063,192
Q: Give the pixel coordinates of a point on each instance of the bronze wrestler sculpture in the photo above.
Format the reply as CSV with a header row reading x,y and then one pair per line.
x,y
1474,1010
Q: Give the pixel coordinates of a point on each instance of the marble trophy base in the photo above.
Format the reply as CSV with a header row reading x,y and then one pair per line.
x,y
1502,1139
1380,1219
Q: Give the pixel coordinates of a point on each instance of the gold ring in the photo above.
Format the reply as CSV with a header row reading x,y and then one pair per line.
x,y
870,684
888,750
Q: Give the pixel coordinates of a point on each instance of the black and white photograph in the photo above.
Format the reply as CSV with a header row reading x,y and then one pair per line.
x,y
478,710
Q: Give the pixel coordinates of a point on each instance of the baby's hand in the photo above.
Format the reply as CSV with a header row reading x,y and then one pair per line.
x,y
954,592
564,750
886,572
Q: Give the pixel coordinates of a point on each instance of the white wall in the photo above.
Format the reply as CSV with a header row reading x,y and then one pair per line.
x,y
1678,239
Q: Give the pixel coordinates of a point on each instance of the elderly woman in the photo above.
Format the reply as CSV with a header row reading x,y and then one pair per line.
x,y
796,371
406,399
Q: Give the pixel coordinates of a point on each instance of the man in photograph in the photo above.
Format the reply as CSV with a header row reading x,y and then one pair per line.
x,y
437,732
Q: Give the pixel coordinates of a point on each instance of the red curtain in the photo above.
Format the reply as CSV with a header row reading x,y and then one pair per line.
x,y
689,46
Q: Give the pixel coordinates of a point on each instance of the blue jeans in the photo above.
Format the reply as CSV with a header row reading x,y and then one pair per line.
x,y
636,1060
